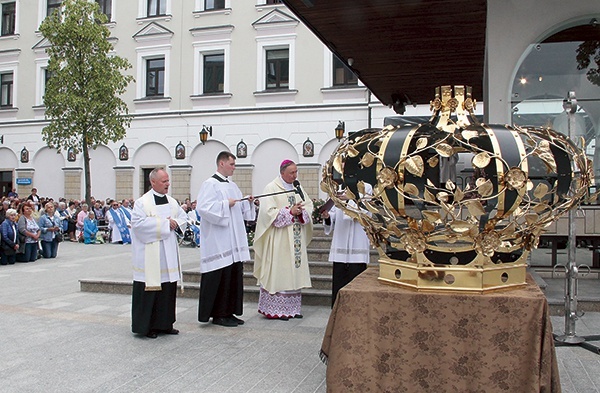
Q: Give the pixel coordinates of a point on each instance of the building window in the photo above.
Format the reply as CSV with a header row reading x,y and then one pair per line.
x,y
214,5
274,2
342,75
106,8
6,90
155,77
278,68
52,6
8,18
157,7
214,73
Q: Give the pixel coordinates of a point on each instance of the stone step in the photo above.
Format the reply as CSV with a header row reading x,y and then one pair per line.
x,y
310,296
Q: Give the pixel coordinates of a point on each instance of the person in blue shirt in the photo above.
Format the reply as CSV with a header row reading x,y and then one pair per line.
x,y
90,228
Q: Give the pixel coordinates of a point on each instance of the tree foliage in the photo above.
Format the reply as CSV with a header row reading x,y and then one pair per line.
x,y
82,96
587,52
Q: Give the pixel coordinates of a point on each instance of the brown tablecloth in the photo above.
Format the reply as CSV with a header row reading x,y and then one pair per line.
x,y
383,338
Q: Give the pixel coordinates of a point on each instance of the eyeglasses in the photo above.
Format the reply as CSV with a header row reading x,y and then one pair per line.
x,y
115,205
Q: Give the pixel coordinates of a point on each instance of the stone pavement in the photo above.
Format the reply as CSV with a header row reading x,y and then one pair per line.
x,y
58,339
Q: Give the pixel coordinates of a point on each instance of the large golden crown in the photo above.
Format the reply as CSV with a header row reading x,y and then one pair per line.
x,y
433,231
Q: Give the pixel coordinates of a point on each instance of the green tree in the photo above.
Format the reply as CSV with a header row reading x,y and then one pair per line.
x,y
588,53
83,91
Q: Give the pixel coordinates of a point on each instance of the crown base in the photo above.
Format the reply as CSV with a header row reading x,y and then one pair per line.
x,y
470,279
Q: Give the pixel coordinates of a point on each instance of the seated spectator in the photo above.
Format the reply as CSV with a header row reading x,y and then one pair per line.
x,y
72,221
119,224
9,238
80,217
63,215
50,226
90,228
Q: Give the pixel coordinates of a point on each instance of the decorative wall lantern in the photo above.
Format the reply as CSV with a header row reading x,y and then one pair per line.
x,y
123,153
339,130
180,151
242,150
308,148
1,139
24,155
205,133
71,156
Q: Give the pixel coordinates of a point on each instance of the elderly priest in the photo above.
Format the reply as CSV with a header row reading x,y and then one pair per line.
x,y
156,267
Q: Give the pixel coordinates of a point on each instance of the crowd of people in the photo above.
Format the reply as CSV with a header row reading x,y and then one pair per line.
x,y
33,227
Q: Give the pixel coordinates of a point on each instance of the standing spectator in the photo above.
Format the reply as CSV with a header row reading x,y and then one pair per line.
x,y
35,199
223,245
50,227
28,228
126,208
98,212
90,228
119,224
155,254
9,238
3,208
283,231
13,194
350,246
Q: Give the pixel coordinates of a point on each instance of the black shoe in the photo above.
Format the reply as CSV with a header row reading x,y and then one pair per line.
x,y
170,331
152,334
299,316
284,318
225,322
237,320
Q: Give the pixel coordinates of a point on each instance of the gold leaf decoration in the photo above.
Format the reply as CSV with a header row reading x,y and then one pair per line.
x,y
450,185
458,195
485,189
361,187
427,226
429,197
545,154
387,177
480,181
442,196
541,191
469,134
367,160
531,218
414,165
481,160
444,150
475,208
431,216
433,161
460,226
411,189
350,195
352,152
421,143
338,164
515,178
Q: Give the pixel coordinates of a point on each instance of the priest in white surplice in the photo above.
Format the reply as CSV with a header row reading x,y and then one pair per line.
x,y
155,252
350,246
283,231
223,245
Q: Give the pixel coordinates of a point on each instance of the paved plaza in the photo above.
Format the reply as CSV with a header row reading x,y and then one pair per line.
x,y
58,339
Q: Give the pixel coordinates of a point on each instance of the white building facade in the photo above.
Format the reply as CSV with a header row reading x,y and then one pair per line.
x,y
248,70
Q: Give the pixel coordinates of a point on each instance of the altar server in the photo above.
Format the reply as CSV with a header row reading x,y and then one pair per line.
x,y
156,266
350,246
223,245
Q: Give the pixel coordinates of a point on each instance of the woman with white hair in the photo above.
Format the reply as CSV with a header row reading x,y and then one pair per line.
x,y
9,238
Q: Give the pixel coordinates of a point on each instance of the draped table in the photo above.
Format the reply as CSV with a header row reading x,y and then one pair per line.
x,y
384,338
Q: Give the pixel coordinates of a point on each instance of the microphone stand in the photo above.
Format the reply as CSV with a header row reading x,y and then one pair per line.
x,y
271,194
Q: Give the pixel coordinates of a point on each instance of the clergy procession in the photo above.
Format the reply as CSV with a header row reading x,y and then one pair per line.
x,y
219,220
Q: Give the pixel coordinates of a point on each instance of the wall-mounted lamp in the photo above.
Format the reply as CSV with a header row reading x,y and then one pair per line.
x,y
1,139
24,155
339,130
205,133
242,150
71,156
308,148
123,153
179,151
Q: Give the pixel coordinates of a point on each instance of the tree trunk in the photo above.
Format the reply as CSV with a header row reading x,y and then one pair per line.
x,y
86,170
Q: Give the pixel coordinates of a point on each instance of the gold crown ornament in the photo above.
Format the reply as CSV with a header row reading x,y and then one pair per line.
x,y
435,230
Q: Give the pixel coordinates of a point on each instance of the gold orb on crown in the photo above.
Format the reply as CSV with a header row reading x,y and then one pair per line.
x,y
436,231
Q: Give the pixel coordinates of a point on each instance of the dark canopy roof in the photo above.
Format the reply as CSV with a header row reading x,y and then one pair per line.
x,y
403,49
